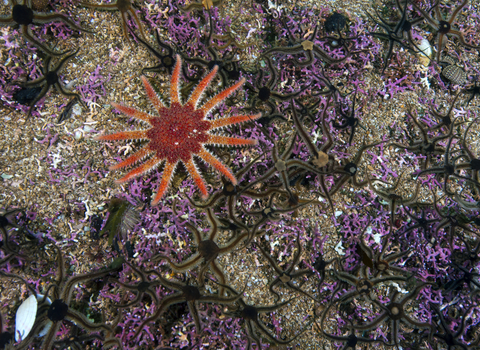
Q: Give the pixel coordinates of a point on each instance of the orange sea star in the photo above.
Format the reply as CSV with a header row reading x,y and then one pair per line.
x,y
179,132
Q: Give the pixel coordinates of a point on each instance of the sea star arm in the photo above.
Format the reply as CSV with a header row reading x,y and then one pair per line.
x,y
28,34
196,177
137,156
142,169
197,93
123,135
123,15
210,159
220,123
65,92
455,13
57,17
38,98
166,176
152,95
174,94
441,42
132,112
6,20
232,141
137,22
222,96
459,35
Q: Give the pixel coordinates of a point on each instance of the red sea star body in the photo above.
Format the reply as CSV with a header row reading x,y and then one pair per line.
x,y
179,132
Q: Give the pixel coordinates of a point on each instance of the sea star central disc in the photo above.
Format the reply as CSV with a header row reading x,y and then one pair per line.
x,y
172,137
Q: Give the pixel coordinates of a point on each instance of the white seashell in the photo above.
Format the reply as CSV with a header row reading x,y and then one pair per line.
x,y
78,135
340,249
425,48
25,317
425,52
377,238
